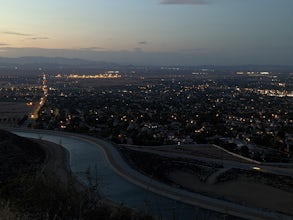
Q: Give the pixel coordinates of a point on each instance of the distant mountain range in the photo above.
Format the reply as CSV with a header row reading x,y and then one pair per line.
x,y
29,60
33,62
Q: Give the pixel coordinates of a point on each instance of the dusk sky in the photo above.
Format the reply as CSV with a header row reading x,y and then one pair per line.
x,y
160,32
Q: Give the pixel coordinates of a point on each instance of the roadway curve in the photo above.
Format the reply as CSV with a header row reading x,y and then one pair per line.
x,y
251,164
124,170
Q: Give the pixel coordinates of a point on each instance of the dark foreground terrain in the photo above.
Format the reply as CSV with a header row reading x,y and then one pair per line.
x,y
18,155
30,190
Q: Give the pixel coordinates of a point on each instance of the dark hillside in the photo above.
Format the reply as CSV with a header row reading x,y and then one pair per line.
x,y
34,185
18,155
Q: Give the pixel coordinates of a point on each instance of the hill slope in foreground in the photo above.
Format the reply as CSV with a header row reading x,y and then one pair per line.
x,y
18,155
35,183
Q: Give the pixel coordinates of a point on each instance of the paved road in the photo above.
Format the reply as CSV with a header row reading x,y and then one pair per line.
x,y
212,179
261,167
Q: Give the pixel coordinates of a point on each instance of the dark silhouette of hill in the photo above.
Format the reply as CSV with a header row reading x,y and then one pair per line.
x,y
31,62
18,155
37,65
28,191
48,61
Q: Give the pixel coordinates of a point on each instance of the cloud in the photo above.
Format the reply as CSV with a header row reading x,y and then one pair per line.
x,y
3,44
38,38
137,50
16,33
93,48
142,42
32,36
184,2
194,50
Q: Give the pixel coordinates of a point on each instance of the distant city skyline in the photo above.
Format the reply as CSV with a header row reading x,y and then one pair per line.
x,y
159,32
